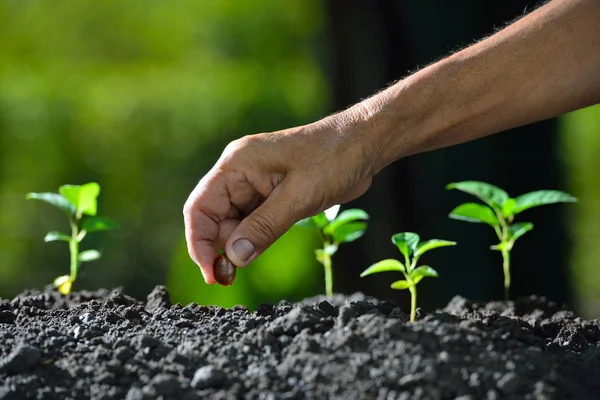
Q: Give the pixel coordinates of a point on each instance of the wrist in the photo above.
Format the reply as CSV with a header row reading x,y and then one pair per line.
x,y
394,123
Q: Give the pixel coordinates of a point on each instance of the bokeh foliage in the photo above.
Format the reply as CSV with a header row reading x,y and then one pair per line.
x,y
581,155
142,96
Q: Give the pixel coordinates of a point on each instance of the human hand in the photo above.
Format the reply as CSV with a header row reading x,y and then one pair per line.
x,y
263,184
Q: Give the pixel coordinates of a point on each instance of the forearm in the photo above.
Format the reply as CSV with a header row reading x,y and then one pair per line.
x,y
543,65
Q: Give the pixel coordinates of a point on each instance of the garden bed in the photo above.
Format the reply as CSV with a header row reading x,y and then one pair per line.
x,y
107,345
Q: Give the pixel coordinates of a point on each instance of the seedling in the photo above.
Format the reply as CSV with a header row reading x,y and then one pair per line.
x,y
334,230
80,205
499,212
410,246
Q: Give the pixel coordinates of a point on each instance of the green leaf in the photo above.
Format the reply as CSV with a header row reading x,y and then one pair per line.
x,y
331,249
54,236
321,253
508,207
421,272
406,242
424,270
55,199
83,197
332,212
473,212
63,284
61,280
501,246
490,194
95,224
89,255
345,217
401,285
384,266
424,247
540,198
349,232
519,229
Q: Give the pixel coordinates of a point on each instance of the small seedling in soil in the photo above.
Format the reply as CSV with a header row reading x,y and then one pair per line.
x,y
80,205
409,246
499,212
334,230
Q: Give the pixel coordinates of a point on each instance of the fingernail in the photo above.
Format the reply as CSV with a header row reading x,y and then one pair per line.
x,y
243,249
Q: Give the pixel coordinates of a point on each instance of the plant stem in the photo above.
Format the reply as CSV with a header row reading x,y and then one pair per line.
x,y
506,266
503,235
74,250
413,303
328,275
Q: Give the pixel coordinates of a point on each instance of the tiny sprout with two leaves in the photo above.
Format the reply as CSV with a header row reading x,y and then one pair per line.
x,y
499,212
410,246
334,230
80,205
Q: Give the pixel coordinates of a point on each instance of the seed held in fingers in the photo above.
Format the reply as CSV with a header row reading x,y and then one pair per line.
x,y
224,270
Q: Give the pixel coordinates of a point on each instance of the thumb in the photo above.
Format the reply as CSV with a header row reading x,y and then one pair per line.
x,y
264,225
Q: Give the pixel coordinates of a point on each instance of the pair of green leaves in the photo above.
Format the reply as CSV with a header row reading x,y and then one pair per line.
x,y
412,249
346,227
76,201
499,208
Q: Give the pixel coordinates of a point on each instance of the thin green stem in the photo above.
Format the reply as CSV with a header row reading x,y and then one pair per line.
x,y
328,274
74,250
506,267
503,235
413,303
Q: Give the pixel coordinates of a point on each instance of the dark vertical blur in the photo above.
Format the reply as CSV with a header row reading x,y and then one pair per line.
x,y
375,43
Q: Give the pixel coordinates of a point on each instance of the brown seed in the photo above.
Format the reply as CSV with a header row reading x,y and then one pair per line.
x,y
224,270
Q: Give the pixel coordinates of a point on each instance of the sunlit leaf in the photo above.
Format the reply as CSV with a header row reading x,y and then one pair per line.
x,y
84,197
332,212
401,285
349,232
54,236
508,207
345,217
315,222
89,255
331,249
55,199
473,212
519,229
501,246
490,194
384,266
540,198
95,224
422,271
424,247
406,242
65,288
63,284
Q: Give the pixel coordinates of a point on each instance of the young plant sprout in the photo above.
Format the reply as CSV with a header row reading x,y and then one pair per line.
x,y
409,245
499,212
334,230
80,205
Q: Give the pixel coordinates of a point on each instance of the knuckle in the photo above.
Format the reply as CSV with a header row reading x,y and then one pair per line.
x,y
264,227
238,145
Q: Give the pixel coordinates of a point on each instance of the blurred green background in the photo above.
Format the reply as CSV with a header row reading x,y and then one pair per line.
x,y
142,96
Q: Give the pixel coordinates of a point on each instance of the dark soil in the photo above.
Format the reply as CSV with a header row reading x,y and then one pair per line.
x,y
107,345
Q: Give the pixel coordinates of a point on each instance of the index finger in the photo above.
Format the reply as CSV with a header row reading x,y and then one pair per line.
x,y
201,233
207,205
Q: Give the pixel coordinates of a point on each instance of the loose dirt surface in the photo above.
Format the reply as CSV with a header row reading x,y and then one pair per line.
x,y
107,345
